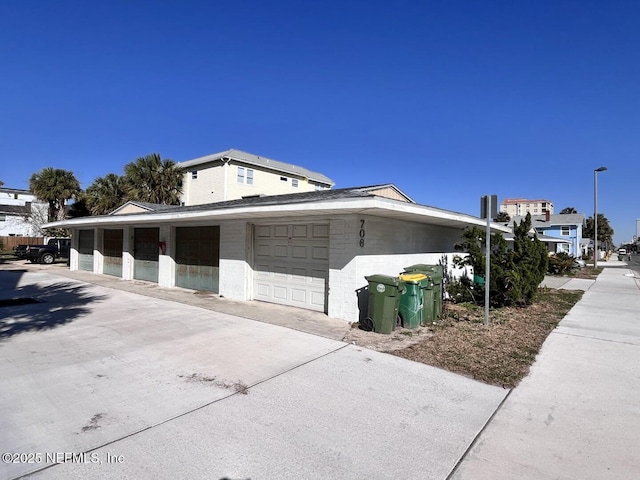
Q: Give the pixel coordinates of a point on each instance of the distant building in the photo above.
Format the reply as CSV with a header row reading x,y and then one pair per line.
x,y
21,213
566,227
522,206
234,174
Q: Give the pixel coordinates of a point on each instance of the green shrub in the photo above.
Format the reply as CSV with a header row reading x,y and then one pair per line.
x,y
515,273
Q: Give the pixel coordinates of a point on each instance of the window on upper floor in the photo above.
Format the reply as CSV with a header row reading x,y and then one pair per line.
x,y
194,174
283,179
294,182
565,230
245,175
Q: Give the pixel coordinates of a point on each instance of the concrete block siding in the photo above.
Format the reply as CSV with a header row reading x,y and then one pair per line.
x,y
388,247
359,245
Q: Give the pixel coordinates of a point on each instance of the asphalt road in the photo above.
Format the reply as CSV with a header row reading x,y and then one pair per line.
x,y
634,263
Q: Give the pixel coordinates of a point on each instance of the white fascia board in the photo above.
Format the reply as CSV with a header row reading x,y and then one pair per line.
x,y
377,206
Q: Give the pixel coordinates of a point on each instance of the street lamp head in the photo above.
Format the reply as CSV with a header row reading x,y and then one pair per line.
x,y
601,169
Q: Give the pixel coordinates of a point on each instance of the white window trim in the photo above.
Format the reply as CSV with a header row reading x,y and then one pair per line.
x,y
244,176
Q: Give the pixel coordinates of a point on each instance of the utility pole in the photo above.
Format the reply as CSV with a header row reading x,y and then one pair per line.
x,y
488,210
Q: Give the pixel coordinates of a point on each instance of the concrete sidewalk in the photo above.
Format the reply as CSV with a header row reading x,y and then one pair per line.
x,y
577,414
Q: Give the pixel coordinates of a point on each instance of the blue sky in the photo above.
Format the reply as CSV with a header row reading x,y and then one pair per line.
x,y
449,100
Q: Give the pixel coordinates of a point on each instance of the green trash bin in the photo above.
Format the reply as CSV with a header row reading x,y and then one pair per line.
x,y
436,273
384,301
411,309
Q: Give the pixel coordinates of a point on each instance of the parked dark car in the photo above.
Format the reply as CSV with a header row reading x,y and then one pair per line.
x,y
20,251
54,249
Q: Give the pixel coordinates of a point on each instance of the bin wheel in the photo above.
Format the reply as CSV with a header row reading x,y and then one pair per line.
x,y
398,321
366,324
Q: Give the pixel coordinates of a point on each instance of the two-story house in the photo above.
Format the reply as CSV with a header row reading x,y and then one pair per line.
x,y
21,213
567,227
234,174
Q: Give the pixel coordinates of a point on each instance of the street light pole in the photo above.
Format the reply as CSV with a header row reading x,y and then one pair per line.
x,y
595,215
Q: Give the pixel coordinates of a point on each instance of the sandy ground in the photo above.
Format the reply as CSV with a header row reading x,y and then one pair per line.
x,y
397,340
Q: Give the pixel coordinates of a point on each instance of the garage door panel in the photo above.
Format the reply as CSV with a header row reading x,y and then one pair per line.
x,y
320,253
320,231
299,252
281,231
263,250
280,251
280,292
292,265
263,289
263,231
299,296
300,231
317,300
280,272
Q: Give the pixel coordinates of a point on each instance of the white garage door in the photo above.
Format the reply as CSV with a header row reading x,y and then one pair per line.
x,y
292,264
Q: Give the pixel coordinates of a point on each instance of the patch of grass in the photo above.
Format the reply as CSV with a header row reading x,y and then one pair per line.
x,y
498,354
587,272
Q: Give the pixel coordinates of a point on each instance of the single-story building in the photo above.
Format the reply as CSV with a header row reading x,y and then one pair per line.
x,y
310,250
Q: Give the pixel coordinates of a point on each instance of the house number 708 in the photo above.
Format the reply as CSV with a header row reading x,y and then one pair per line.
x,y
362,233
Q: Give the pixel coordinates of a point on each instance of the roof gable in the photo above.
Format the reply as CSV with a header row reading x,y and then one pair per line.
x,y
139,207
388,190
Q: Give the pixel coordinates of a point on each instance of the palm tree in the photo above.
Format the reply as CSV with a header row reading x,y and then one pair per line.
x,y
55,186
503,217
106,194
605,232
151,179
568,210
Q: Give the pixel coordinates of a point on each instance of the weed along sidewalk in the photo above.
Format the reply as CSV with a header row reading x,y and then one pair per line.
x,y
499,354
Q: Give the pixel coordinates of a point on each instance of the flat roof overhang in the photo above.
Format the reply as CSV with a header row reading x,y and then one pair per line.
x,y
375,206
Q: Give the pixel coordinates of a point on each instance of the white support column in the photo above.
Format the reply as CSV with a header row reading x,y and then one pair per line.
x,y
166,262
98,249
127,253
235,272
73,251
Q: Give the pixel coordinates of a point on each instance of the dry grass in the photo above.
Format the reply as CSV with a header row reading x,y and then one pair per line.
x,y
498,354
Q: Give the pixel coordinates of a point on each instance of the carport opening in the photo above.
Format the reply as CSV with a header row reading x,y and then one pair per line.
x,y
14,302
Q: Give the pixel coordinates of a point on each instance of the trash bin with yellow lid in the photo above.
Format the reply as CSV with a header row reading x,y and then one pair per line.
x,y
436,273
412,303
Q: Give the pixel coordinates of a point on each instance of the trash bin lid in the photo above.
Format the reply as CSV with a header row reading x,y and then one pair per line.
x,y
413,277
384,279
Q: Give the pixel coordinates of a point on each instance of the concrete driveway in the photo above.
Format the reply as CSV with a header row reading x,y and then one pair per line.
x,y
111,384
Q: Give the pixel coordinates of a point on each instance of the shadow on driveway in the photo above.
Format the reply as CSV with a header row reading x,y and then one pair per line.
x,y
37,307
